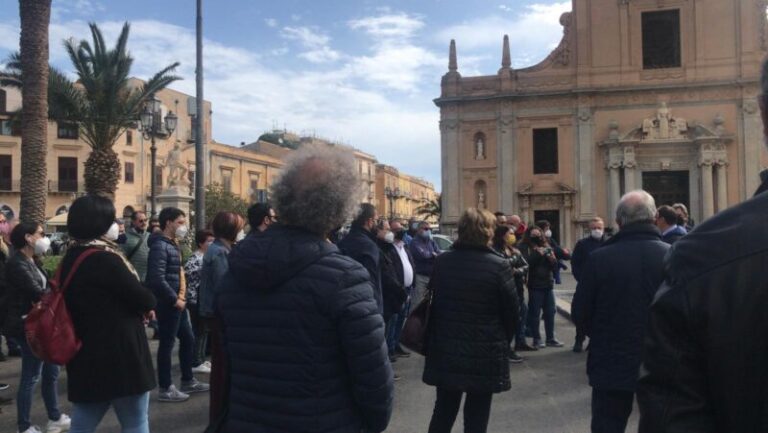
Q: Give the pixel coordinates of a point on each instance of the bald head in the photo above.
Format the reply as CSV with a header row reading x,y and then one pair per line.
x,y
515,220
636,207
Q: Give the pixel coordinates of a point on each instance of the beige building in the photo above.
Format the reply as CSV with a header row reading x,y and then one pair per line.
x,y
399,195
652,94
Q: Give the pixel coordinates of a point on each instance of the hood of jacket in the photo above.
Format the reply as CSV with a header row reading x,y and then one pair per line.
x,y
267,261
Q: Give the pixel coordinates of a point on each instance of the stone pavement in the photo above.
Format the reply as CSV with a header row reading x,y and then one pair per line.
x,y
549,394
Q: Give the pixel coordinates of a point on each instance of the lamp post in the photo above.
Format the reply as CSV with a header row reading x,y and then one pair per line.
x,y
151,127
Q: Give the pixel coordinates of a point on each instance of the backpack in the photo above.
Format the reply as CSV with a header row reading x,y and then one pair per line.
x,y
48,326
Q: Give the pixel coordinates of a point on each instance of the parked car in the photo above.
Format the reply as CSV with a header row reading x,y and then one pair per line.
x,y
444,242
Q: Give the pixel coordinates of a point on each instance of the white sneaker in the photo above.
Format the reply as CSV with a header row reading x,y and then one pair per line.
x,y
207,364
33,429
202,368
59,426
172,395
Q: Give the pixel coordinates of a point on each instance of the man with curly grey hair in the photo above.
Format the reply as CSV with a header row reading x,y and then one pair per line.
x,y
302,327
705,355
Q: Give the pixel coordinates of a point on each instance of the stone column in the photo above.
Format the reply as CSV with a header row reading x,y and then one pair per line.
x,y
722,186
567,239
707,189
506,162
753,146
629,168
451,170
585,152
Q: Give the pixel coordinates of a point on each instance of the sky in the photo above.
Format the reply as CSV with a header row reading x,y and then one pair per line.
x,y
360,72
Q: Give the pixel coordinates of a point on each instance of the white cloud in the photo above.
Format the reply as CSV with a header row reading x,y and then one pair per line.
x,y
505,8
534,31
316,43
392,25
296,17
271,22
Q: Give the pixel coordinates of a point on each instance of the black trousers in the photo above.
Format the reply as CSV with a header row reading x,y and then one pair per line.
x,y
611,410
477,410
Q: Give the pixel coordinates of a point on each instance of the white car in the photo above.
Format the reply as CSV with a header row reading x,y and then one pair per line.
x,y
444,242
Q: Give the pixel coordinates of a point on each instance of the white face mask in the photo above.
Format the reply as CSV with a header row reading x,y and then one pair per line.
x,y
389,237
181,232
240,236
113,233
42,246
597,234
548,233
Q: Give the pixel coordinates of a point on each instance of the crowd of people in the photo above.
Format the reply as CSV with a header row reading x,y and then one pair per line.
x,y
303,319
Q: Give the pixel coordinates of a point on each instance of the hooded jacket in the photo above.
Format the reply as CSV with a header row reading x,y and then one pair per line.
x,y
304,338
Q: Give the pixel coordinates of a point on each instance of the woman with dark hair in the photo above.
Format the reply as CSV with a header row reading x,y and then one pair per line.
x,y
27,282
192,270
473,318
109,307
504,241
227,229
541,260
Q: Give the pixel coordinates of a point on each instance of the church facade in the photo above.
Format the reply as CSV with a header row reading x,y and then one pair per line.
x,y
652,94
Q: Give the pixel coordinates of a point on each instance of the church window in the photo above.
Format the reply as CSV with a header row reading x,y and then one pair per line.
x,y
545,151
661,39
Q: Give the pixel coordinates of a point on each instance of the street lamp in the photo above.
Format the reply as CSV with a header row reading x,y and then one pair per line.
x,y
151,127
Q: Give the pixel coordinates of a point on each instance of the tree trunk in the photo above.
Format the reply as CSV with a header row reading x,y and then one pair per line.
x,y
35,18
102,172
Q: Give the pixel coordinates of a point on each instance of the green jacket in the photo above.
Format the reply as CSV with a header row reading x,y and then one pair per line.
x,y
139,258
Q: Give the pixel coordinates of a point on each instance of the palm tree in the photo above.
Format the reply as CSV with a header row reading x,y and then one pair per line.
x,y
431,208
105,105
33,61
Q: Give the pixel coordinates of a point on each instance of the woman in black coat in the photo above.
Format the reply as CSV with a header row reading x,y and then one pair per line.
x,y
473,318
108,306
542,261
504,242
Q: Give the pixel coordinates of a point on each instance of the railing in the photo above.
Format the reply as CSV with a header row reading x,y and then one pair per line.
x,y
65,186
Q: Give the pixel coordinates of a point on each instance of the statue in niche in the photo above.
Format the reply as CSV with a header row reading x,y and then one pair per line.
x,y
480,199
663,126
480,148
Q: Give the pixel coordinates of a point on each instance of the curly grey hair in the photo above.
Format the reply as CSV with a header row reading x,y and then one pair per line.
x,y
636,207
318,189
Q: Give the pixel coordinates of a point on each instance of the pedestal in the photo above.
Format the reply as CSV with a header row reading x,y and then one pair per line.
x,y
175,197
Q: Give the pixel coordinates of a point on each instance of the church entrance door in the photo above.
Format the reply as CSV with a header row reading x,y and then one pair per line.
x,y
668,187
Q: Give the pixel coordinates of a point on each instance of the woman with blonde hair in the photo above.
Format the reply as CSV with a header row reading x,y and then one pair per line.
x,y
473,318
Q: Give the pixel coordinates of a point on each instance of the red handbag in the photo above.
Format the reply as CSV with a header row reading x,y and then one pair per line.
x,y
48,326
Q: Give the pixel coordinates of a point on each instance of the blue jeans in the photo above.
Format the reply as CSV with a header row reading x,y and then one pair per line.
x,y
32,369
173,323
541,299
395,326
131,411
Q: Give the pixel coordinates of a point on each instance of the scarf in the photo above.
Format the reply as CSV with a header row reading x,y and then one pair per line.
x,y
108,246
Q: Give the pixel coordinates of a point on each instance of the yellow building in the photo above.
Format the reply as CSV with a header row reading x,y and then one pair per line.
x,y
399,195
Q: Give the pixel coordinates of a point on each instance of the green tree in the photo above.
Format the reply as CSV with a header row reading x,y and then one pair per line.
x,y
218,200
431,208
33,63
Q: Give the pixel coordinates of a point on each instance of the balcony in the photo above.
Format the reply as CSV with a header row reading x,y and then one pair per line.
x,y
65,187
10,185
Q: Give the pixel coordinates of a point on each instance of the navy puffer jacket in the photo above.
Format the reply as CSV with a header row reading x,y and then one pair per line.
x,y
304,338
163,269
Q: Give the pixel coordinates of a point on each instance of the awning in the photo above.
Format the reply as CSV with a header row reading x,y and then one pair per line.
x,y
58,220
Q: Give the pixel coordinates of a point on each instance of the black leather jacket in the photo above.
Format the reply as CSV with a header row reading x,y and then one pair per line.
x,y
705,366
25,287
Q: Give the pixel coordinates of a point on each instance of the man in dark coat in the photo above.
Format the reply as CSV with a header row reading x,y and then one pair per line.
x,y
360,245
582,250
304,334
612,299
705,357
401,257
666,221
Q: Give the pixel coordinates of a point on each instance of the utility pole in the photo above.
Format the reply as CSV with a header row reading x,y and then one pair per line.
x,y
200,151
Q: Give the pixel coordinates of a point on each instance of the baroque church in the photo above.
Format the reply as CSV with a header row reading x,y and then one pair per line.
x,y
651,94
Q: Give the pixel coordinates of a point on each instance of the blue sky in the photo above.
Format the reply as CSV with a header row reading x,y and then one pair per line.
x,y
362,72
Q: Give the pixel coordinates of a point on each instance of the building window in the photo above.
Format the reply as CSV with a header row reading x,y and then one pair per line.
x,y
226,180
129,138
6,172
6,127
545,151
661,39
67,174
3,102
129,172
68,131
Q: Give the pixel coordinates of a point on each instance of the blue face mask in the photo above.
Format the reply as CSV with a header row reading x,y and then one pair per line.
x,y
426,234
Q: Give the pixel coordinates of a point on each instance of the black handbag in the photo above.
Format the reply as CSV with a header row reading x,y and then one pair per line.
x,y
414,335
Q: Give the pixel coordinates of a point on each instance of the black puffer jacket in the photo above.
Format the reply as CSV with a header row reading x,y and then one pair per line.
x,y
304,338
540,269
361,246
164,269
473,319
612,300
705,361
25,287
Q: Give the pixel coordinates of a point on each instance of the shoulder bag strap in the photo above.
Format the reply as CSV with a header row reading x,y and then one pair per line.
x,y
84,255
138,245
